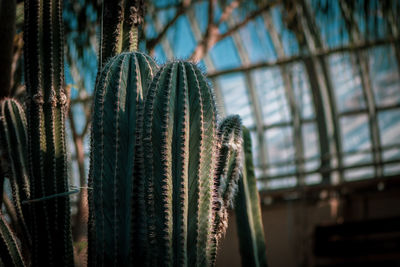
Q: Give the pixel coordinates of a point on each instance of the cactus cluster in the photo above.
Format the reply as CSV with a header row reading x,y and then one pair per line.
x,y
164,171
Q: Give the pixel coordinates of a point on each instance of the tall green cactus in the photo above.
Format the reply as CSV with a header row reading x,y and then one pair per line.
x,y
10,254
248,212
179,144
13,148
46,108
116,126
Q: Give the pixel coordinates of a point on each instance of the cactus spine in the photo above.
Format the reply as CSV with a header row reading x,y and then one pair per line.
x,y
116,126
248,212
46,106
13,146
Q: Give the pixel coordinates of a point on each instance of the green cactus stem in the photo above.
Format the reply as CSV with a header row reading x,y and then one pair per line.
x,y
13,148
179,147
116,127
10,254
248,213
226,176
120,27
46,108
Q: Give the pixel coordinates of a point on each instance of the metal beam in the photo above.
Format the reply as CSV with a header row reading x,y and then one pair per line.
x,y
323,91
361,63
394,30
343,168
254,99
290,96
299,58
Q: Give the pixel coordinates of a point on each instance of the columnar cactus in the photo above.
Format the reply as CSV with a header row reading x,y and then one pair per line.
x,y
180,135
9,251
116,126
248,212
13,149
120,23
162,173
225,176
46,108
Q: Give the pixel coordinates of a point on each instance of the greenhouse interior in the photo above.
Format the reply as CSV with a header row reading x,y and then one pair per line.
x,y
308,175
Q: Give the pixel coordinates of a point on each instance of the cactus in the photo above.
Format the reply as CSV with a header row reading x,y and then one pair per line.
x,y
120,23
46,108
162,174
115,129
226,176
179,145
248,212
179,171
10,254
13,147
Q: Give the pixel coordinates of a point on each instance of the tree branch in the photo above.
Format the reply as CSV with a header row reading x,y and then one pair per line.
x,y
81,216
212,35
249,18
151,43
228,11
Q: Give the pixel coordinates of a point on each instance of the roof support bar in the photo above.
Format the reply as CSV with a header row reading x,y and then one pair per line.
x,y
324,101
254,100
294,110
394,29
361,63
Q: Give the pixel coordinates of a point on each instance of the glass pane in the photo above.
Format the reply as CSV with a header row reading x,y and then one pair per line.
x,y
181,38
358,174
310,146
332,26
346,82
289,40
314,178
355,139
384,75
282,183
235,96
224,54
302,91
271,92
280,150
389,128
252,43
391,169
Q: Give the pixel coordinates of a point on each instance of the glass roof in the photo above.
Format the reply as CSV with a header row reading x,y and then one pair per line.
x,y
320,94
